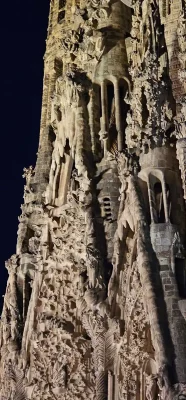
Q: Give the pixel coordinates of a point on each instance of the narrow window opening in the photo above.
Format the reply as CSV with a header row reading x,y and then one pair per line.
x,y
58,114
111,110
145,112
144,189
86,337
169,204
110,101
96,114
74,183
19,293
58,181
51,135
67,147
64,176
84,276
62,4
180,273
61,13
99,101
61,16
166,8
57,220
108,268
28,236
58,66
124,107
28,292
159,204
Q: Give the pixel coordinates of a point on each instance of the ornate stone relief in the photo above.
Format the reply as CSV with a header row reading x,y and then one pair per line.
x,y
93,308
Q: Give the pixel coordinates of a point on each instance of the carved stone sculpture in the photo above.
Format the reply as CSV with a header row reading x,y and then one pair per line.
x,y
95,305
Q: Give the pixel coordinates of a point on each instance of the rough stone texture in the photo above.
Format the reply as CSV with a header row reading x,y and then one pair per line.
x,y
95,306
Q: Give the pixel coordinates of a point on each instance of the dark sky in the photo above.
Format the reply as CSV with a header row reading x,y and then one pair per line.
x,y
23,32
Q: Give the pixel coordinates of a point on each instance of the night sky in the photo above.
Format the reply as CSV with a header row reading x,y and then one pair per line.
x,y
23,34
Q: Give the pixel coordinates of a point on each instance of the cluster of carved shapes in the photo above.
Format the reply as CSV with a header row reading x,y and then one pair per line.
x,y
74,325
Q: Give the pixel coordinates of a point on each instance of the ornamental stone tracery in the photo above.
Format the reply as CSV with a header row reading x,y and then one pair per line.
x,y
95,305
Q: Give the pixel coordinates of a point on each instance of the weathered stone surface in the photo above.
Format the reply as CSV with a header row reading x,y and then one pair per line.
x,y
95,301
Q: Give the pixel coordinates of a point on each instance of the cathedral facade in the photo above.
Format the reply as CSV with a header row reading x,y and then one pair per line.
x,y
95,305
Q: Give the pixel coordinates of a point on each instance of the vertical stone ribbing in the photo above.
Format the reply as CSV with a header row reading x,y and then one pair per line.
x,y
93,300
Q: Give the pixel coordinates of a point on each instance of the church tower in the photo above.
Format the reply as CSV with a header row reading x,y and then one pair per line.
x,y
95,305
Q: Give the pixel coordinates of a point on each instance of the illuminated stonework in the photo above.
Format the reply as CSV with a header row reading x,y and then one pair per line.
x,y
95,306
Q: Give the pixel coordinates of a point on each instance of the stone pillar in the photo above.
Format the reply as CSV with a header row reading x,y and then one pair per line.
x,y
91,120
181,156
118,116
164,192
101,385
104,118
151,200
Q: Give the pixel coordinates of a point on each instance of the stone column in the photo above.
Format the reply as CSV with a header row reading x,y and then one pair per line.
x,y
104,118
91,120
181,156
118,115
151,201
101,385
164,192
110,386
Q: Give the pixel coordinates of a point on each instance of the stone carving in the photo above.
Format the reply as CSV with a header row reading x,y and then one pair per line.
x,y
28,190
95,300
180,117
149,120
151,387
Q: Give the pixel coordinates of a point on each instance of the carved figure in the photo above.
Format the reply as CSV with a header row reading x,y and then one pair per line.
x,y
95,304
